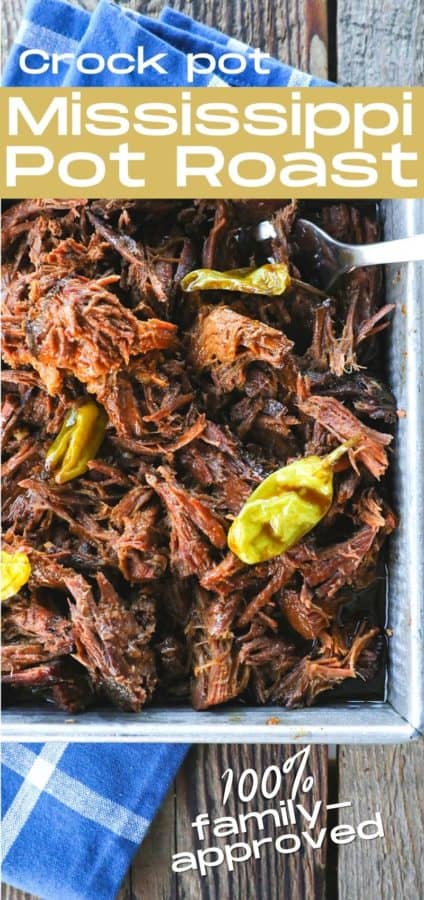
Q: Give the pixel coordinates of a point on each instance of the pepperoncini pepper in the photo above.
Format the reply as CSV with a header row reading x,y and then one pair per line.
x,y
272,279
285,507
78,441
15,572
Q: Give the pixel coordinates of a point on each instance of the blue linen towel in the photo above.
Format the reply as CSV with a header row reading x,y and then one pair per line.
x,y
116,30
51,26
75,814
57,26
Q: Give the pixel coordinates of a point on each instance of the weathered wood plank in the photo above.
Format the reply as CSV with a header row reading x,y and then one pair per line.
x,y
380,43
388,780
199,789
151,874
125,893
294,30
11,893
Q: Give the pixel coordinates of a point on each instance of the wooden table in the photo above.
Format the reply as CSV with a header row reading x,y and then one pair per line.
x,y
371,42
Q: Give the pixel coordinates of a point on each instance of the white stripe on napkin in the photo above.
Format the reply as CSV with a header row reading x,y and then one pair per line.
x,y
30,790
238,46
37,37
76,796
216,81
299,79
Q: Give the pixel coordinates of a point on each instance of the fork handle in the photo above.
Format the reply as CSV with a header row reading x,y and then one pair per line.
x,y
410,249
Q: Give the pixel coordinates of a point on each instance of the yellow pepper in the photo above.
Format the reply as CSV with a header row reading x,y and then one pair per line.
x,y
272,279
78,441
285,507
15,572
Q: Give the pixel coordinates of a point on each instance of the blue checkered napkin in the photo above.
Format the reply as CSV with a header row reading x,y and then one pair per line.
x,y
57,26
49,25
112,29
74,814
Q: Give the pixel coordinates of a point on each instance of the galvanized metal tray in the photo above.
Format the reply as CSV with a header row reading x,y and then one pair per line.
x,y
401,716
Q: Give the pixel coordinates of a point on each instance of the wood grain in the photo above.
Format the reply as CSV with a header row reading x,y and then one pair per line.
x,y
389,780
275,876
151,875
11,893
380,43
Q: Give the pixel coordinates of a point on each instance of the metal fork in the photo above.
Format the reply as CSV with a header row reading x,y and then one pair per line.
x,y
330,259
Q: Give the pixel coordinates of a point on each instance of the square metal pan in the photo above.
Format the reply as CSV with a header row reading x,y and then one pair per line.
x,y
401,717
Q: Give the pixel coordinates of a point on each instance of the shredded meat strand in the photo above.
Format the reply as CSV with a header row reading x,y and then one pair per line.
x,y
134,595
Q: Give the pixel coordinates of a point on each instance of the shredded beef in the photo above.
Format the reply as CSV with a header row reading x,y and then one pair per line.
x,y
79,327
335,661
334,417
218,673
133,593
226,342
193,525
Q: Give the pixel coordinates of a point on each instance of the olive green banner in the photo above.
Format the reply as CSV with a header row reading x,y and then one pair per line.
x,y
212,142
